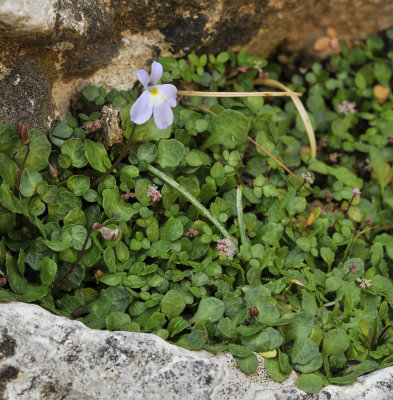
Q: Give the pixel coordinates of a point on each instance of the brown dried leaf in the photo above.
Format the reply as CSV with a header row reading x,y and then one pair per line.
x,y
322,44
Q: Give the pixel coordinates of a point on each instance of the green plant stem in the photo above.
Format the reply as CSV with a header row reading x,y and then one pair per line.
x,y
190,198
124,153
76,263
17,180
278,162
239,206
361,233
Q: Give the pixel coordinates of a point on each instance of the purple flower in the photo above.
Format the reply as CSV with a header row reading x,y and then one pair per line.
x,y
226,246
155,99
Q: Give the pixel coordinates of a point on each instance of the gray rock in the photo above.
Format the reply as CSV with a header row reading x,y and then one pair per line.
x,y
51,49
46,357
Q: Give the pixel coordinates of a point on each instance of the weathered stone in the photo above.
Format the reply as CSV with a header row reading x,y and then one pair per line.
x,y
43,356
50,49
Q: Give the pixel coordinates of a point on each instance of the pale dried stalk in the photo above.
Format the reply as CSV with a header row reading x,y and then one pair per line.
x,y
287,93
300,107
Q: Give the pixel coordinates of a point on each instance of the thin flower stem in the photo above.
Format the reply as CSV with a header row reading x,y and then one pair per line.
x,y
124,153
239,206
200,108
17,180
370,228
189,197
288,93
278,162
350,202
300,107
361,233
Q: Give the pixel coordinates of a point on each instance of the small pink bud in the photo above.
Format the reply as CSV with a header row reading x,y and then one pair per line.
x,y
153,193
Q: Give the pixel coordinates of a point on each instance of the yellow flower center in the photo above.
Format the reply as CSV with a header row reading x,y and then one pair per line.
x,y
154,91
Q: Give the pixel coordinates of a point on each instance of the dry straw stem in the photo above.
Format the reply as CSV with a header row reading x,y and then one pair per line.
x,y
287,93
300,107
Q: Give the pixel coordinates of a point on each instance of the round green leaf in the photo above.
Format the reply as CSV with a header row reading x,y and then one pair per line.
x,y
29,181
172,304
248,364
310,383
170,153
211,309
78,184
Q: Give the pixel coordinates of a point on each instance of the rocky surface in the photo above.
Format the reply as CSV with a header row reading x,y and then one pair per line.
x,y
50,49
43,356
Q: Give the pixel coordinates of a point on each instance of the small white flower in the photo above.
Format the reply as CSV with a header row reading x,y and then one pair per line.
x,y
226,246
347,107
308,178
363,283
356,192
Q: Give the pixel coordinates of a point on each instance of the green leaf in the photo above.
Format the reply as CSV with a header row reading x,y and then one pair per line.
x,y
91,93
118,321
29,181
148,131
63,203
48,270
8,170
17,282
248,364
97,155
345,176
114,298
196,158
229,128
172,304
303,350
335,341
60,133
147,152
210,308
74,149
239,350
170,153
78,184
309,383
36,207
227,328
172,230
272,367
267,339
327,255
116,207
197,338
40,149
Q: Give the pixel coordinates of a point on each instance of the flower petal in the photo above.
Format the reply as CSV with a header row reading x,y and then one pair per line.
x,y
156,72
163,115
141,111
143,77
171,92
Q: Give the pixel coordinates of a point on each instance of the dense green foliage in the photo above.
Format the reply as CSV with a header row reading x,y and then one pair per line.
x,y
309,286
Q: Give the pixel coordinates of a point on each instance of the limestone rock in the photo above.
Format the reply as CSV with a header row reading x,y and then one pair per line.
x,y
51,49
43,356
